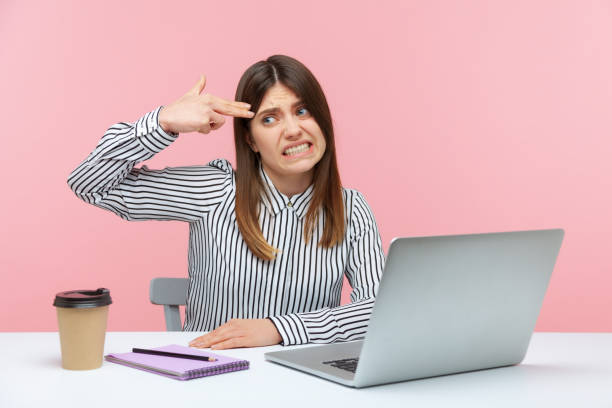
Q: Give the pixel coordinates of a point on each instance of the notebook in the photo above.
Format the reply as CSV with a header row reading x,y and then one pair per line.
x,y
179,368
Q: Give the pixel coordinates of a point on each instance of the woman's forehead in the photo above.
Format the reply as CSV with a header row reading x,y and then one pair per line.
x,y
278,95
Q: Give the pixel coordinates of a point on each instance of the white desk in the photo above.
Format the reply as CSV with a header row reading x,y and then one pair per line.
x,y
560,370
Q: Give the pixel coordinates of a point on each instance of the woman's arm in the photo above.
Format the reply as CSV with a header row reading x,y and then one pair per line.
x,y
364,270
108,178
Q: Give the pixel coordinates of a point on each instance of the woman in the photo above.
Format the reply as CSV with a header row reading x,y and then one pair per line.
x,y
269,242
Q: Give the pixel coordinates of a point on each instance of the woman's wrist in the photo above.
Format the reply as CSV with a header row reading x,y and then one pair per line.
x,y
162,121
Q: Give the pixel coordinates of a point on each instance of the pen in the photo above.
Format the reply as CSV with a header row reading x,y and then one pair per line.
x,y
169,354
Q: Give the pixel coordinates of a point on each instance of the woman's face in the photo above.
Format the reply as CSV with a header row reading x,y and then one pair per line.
x,y
288,138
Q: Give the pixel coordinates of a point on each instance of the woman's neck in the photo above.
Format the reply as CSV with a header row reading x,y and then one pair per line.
x,y
292,184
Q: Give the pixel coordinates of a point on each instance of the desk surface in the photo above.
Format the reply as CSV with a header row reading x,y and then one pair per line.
x,y
560,370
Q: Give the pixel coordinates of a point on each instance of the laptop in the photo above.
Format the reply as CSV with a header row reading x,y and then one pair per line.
x,y
445,305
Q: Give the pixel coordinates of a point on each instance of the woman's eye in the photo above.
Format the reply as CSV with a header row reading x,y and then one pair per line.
x,y
267,122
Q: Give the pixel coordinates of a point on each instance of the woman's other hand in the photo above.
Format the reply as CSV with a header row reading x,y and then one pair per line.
x,y
240,333
194,112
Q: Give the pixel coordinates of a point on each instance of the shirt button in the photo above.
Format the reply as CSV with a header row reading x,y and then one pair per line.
x,y
289,204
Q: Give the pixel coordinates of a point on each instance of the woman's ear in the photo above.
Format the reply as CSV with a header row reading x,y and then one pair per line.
x,y
251,143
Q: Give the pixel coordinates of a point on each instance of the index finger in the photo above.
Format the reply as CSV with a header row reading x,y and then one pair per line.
x,y
232,109
238,104
198,339
218,335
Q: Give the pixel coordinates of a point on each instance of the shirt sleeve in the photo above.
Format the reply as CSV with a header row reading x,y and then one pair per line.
x,y
108,178
364,269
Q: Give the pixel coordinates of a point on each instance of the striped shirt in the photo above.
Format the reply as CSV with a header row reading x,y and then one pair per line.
x,y
299,290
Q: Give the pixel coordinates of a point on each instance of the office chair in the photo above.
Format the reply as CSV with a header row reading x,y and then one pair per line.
x,y
171,293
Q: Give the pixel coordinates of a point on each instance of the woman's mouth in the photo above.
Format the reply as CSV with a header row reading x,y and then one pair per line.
x,y
298,150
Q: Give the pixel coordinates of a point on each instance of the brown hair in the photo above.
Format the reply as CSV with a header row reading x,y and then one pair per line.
x,y
327,191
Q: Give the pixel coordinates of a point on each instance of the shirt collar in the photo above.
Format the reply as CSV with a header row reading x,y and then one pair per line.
x,y
275,201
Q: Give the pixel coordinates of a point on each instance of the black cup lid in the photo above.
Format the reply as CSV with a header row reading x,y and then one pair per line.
x,y
83,298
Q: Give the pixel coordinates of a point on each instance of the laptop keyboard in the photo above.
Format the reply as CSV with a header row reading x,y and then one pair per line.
x,y
348,364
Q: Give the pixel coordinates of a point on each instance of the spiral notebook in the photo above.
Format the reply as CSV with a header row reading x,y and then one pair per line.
x,y
179,368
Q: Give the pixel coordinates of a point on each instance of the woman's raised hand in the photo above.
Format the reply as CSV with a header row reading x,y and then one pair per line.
x,y
193,112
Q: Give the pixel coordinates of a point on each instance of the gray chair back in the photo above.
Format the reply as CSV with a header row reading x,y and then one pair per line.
x,y
171,293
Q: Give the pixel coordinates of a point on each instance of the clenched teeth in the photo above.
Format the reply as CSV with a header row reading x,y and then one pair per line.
x,y
297,149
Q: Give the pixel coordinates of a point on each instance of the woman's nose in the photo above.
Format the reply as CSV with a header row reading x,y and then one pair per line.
x,y
292,128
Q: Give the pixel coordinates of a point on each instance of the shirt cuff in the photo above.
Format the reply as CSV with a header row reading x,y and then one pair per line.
x,y
291,329
150,133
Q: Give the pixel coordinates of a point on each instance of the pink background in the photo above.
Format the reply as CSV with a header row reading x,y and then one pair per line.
x,y
451,117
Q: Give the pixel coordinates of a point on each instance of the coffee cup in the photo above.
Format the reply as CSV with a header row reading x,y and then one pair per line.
x,y
82,317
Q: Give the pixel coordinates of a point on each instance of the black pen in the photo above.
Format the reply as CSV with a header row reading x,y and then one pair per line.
x,y
169,354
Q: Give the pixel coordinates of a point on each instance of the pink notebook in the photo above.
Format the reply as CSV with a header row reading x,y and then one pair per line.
x,y
179,368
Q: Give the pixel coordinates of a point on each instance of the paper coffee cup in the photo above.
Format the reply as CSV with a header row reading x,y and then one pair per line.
x,y
81,317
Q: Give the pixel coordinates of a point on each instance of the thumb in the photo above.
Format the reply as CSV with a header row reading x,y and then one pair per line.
x,y
197,89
